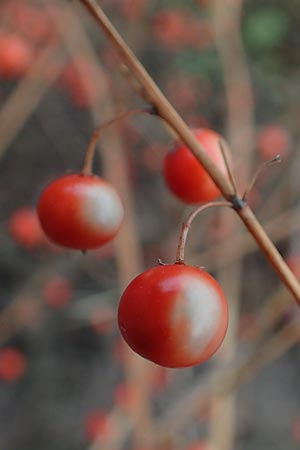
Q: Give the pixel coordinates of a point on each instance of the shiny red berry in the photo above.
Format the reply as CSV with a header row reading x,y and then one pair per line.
x,y
174,315
184,174
80,211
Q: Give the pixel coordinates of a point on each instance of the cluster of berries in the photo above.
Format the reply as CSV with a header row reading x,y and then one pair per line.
x,y
175,315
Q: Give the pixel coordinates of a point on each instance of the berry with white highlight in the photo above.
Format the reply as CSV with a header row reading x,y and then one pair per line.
x,y
80,211
174,315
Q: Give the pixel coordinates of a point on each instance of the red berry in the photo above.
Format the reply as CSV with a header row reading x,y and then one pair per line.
x,y
57,292
169,28
184,174
25,228
273,140
80,211
174,315
12,364
16,55
98,425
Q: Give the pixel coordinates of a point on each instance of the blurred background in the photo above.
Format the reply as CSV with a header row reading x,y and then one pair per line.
x,y
67,380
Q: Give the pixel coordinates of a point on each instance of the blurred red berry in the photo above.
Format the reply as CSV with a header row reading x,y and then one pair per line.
x,y
169,28
25,228
273,140
12,364
98,425
57,292
16,56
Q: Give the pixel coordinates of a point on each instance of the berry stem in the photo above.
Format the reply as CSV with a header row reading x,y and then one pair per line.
x,y
157,99
88,162
187,225
257,173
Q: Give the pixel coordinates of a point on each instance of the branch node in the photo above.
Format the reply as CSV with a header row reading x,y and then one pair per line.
x,y
238,203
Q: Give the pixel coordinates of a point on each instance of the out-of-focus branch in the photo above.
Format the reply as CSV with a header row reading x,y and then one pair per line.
x,y
239,120
28,94
138,371
238,91
225,381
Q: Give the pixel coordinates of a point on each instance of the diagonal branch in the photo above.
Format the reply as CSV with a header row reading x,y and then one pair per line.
x,y
168,113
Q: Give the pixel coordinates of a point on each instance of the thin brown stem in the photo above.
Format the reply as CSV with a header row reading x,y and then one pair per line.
x,y
88,162
28,94
168,113
258,172
187,225
164,109
224,150
266,245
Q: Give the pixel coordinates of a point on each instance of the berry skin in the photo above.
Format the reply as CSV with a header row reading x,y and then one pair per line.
x,y
80,211
174,315
184,174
